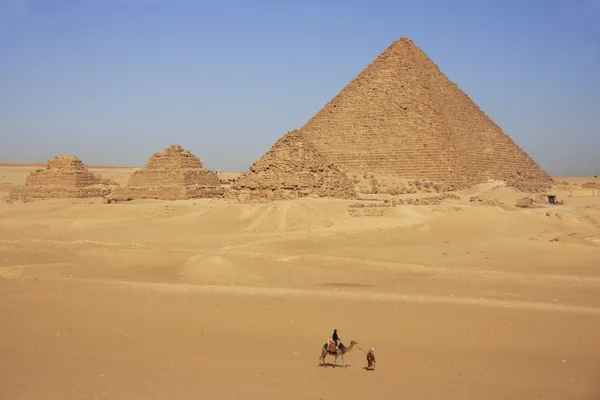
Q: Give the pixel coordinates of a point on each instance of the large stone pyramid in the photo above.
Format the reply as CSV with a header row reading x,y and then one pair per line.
x,y
400,118
175,174
63,177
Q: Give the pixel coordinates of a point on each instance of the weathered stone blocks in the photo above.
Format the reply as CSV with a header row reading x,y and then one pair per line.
x,y
63,177
399,117
175,174
293,168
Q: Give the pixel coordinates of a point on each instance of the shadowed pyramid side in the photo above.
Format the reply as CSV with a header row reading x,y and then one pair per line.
x,y
292,168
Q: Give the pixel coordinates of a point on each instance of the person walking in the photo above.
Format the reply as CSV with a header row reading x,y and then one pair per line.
x,y
371,358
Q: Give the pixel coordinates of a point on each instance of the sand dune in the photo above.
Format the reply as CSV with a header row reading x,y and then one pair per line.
x,y
211,298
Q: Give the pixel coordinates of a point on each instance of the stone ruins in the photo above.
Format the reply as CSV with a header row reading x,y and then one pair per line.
x,y
63,177
401,119
175,174
293,168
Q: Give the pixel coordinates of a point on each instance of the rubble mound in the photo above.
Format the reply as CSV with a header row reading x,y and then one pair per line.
x,y
63,177
401,117
291,169
174,174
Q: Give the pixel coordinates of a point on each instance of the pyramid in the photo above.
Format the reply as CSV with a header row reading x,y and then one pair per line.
x,y
175,174
294,168
63,177
400,118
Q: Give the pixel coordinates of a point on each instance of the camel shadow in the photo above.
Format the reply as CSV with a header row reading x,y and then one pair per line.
x,y
328,364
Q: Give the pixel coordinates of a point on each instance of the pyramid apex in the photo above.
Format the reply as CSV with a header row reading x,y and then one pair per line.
x,y
400,46
403,42
175,148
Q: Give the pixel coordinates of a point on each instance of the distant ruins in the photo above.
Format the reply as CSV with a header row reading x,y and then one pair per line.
x,y
400,119
63,177
175,174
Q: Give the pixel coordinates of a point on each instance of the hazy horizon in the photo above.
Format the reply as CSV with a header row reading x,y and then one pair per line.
x,y
114,81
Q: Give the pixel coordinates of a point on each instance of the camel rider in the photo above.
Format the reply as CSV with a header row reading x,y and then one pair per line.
x,y
335,337
333,342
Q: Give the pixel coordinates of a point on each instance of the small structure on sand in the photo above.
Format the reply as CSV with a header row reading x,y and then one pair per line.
x,y
63,177
174,174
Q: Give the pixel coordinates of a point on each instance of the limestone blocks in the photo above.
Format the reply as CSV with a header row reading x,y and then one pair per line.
x,y
62,177
174,174
400,117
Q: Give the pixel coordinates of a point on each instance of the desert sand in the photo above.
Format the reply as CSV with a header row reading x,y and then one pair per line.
x,y
470,298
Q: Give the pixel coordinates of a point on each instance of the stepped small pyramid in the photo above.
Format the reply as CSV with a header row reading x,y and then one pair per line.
x,y
63,177
175,174
400,118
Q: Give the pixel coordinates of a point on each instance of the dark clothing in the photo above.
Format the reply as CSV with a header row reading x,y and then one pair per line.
x,y
335,338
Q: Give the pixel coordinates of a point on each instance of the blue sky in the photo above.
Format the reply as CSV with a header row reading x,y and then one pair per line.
x,y
113,81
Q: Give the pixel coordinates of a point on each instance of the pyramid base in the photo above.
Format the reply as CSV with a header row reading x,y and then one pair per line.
x,y
369,183
166,193
32,193
530,186
265,195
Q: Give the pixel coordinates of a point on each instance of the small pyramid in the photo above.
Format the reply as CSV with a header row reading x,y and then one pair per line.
x,y
294,168
63,177
174,174
402,118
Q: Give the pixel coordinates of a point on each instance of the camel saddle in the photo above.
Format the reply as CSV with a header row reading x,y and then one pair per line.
x,y
331,347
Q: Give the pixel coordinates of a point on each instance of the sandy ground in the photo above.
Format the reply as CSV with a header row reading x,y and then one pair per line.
x,y
209,299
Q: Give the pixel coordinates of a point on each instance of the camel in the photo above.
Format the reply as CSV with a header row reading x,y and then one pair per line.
x,y
339,351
